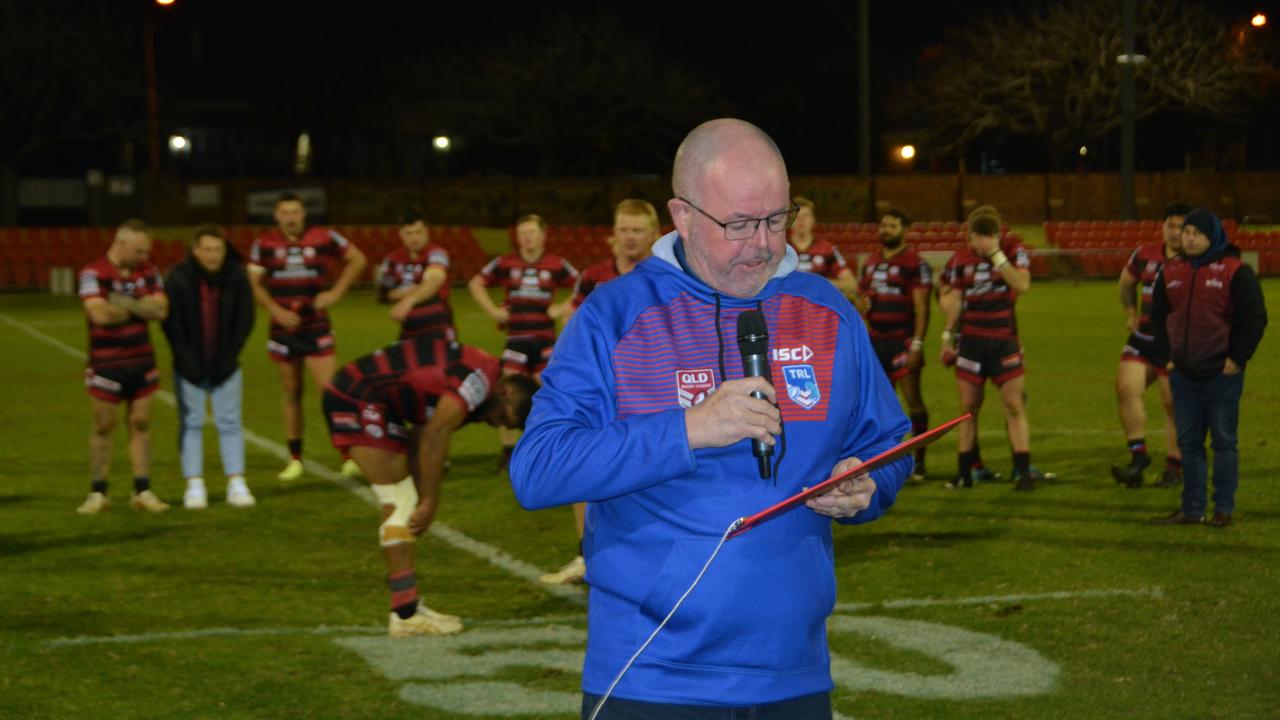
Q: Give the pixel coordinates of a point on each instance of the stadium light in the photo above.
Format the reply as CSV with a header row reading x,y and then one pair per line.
x,y
164,3
1258,20
906,152
441,143
1084,150
179,144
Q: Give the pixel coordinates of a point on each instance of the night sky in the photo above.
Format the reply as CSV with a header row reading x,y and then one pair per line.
x,y
264,70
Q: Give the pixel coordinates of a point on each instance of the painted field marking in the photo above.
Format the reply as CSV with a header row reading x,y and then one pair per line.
x,y
441,531
1151,592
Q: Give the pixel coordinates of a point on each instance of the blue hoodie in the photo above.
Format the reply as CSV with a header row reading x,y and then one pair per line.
x,y
607,427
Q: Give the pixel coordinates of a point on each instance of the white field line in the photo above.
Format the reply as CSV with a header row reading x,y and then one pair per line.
x,y
79,640
486,552
1151,592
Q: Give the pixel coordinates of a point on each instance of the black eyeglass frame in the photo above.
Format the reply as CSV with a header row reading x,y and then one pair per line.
x,y
790,215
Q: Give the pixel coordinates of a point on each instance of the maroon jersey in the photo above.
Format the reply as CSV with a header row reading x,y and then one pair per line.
x,y
598,274
986,300
431,317
295,272
1144,264
888,283
411,376
530,288
129,343
821,258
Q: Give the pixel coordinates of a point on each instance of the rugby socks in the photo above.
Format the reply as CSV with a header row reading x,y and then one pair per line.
x,y
1138,448
98,486
919,425
141,484
966,464
976,462
1022,463
295,448
404,593
1173,462
505,462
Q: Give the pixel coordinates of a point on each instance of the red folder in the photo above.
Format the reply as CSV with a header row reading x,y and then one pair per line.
x,y
884,458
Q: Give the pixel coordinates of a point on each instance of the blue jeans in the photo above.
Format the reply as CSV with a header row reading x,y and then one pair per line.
x,y
226,416
1212,406
805,707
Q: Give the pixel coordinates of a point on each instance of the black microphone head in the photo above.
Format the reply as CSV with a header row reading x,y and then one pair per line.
x,y
753,333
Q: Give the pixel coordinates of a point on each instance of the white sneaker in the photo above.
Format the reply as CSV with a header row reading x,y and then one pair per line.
x,y
196,497
351,469
238,494
573,572
148,501
94,504
292,471
423,622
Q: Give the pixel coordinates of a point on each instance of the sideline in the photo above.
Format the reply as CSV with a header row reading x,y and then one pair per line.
x,y
488,553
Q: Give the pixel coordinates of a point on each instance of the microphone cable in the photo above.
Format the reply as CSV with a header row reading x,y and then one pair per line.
x,y
604,698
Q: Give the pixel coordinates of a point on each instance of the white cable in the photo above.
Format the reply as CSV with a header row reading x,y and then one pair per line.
x,y
603,698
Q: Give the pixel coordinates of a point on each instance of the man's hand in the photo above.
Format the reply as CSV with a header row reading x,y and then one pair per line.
x,y
500,316
287,318
848,497
730,414
421,518
1131,319
325,299
1230,367
985,245
128,302
401,309
915,360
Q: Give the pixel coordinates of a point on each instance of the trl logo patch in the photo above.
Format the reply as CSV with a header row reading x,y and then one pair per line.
x,y
802,385
693,386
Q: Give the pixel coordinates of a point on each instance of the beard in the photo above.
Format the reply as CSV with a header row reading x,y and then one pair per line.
x,y
892,243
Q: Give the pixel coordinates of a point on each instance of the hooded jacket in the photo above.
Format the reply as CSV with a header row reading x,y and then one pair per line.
x,y
608,427
183,325
1207,308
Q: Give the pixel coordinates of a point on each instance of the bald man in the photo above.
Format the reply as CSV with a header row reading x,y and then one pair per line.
x,y
646,415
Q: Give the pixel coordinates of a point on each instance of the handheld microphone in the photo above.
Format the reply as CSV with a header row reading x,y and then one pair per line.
x,y
753,343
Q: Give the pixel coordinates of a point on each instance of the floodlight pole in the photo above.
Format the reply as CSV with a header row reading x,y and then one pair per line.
x,y
1128,111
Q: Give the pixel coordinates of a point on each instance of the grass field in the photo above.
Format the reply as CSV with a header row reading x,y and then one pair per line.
x,y
1061,603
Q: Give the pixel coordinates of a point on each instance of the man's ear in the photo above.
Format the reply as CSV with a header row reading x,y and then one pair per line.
x,y
681,215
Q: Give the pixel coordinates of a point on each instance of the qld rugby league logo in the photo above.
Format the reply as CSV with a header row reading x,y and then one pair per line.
x,y
693,386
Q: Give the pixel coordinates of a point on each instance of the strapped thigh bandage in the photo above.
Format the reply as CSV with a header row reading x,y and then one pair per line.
x,y
403,499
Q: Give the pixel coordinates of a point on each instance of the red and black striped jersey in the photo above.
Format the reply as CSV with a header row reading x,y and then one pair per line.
x,y
431,317
530,288
986,300
412,375
821,258
129,343
597,274
295,270
888,283
1144,264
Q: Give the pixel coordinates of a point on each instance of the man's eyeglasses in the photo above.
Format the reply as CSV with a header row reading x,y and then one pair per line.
x,y
745,228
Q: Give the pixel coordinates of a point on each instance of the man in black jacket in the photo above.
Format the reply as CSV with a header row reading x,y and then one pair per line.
x,y
210,317
1207,309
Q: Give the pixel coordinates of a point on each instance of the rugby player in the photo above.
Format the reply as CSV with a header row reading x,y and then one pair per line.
x,y
819,256
414,278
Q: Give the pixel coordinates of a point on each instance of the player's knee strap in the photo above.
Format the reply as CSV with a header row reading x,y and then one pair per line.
x,y
403,499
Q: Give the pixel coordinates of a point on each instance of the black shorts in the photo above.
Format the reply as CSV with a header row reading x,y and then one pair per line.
x,y
893,354
290,346
980,358
1142,348
365,423
114,384
527,355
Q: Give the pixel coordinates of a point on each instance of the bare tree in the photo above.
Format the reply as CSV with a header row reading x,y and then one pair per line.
x,y
575,93
1053,75
69,71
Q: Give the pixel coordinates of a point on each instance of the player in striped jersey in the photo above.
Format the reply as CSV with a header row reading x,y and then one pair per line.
x,y
415,278
121,292
635,228
819,256
394,411
1139,365
977,291
287,273
529,277
893,296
